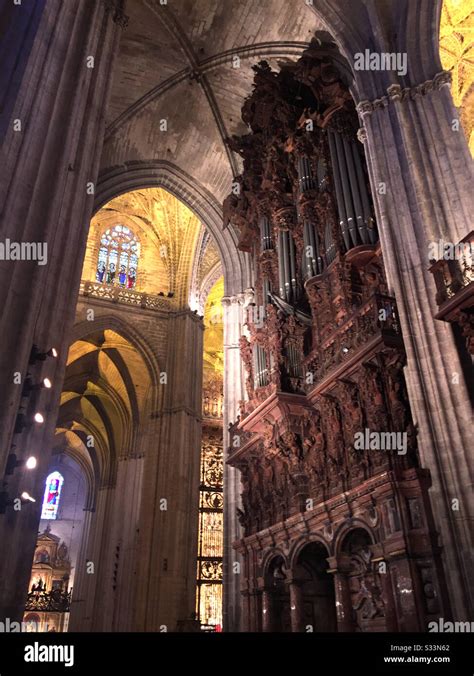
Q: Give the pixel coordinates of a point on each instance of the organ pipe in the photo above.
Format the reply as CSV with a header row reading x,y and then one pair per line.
x,y
281,271
261,373
346,190
292,257
286,265
308,262
318,259
363,192
355,191
338,187
265,234
313,264
305,175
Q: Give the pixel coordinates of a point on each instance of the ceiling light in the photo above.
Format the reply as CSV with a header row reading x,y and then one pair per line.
x,y
31,462
47,383
39,418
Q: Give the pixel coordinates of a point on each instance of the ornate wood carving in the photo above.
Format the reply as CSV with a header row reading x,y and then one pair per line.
x,y
331,348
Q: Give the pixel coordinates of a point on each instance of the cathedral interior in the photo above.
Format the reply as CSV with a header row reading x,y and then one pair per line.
x,y
237,326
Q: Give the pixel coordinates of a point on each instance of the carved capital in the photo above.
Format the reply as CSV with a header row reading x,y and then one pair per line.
x,y
395,93
362,134
116,8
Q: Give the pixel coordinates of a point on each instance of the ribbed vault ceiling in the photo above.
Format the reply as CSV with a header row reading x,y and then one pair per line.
x,y
178,62
106,384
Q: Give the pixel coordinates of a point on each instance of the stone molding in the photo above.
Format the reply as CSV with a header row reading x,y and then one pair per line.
x,y
396,93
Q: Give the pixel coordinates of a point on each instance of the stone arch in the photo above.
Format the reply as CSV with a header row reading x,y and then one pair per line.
x,y
135,175
301,543
314,595
417,35
270,556
89,470
346,529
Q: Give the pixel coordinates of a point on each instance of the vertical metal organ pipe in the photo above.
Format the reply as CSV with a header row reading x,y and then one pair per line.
x,y
346,190
338,187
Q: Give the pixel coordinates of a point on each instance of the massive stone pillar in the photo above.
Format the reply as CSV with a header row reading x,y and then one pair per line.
x,y
50,159
168,526
104,593
93,574
233,394
421,175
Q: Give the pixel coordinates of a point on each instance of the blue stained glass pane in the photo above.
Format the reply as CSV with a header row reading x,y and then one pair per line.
x,y
52,493
118,257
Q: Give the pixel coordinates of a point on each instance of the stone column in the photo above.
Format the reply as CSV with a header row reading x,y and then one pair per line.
x,y
296,606
421,175
127,504
403,574
344,613
78,603
234,392
245,613
93,575
268,609
251,596
50,159
168,525
390,609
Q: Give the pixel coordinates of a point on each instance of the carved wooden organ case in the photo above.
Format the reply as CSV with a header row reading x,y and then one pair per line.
x,y
323,351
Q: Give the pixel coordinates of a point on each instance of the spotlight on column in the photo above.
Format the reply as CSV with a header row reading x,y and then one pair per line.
x,y
38,417
13,463
28,386
26,497
37,355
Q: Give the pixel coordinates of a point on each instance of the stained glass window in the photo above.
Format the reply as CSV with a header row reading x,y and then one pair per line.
x,y
52,493
209,565
118,257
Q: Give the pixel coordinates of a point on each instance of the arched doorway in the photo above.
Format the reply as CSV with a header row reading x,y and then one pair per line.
x,y
316,596
276,598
